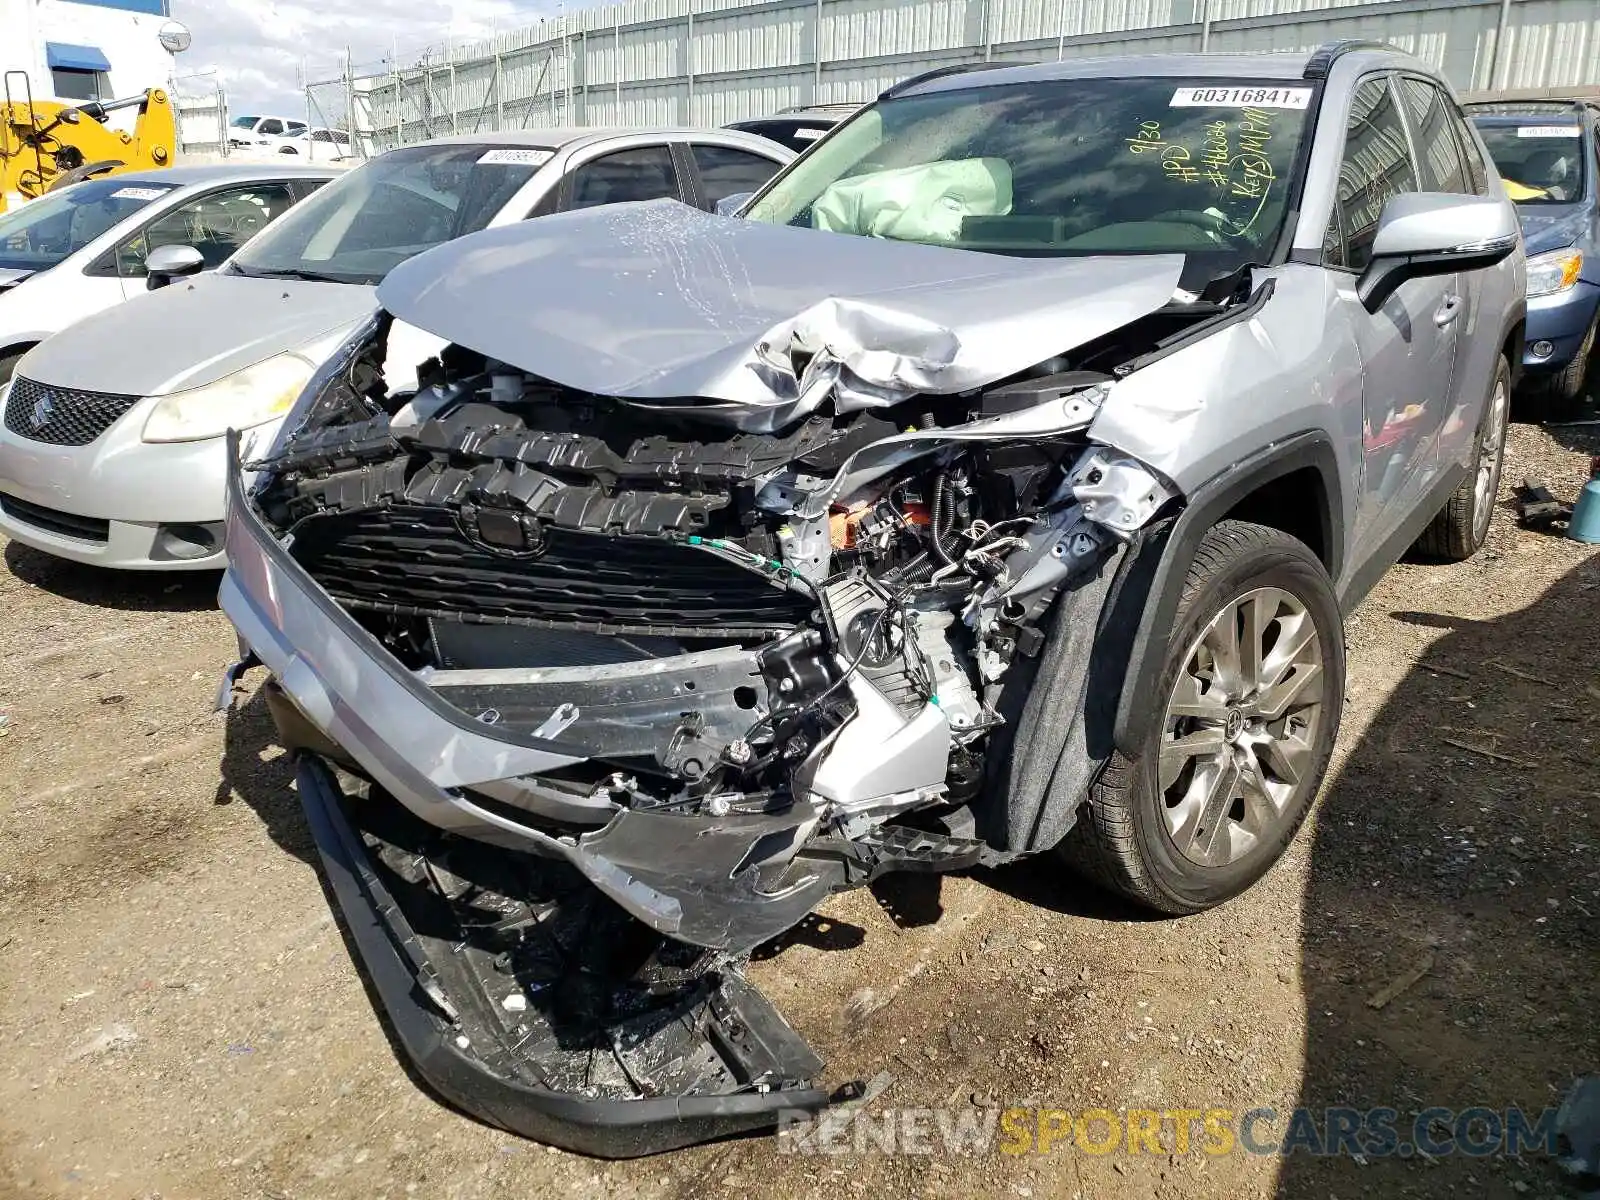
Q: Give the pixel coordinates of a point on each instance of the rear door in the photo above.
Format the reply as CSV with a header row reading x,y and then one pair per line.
x,y
637,173
1408,347
722,171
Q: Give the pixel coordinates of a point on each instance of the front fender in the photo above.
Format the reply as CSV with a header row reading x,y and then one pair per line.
x,y
1172,548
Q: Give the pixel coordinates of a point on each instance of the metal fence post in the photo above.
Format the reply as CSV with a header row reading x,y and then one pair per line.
x,y
455,104
1498,67
816,47
688,66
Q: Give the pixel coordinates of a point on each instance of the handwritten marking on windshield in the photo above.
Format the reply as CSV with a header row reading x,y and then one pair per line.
x,y
1235,161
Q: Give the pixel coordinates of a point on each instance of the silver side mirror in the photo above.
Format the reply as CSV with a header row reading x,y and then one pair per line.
x,y
167,263
1435,233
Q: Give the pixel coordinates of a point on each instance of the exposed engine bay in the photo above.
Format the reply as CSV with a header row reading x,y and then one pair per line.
x,y
723,622
740,668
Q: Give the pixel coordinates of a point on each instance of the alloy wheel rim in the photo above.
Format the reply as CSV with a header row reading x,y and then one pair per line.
x,y
1240,733
1488,481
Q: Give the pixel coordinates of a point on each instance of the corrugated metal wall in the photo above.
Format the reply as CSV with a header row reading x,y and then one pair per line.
x,y
708,62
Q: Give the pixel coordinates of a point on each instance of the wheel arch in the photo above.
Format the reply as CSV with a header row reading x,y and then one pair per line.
x,y
1293,485
1512,346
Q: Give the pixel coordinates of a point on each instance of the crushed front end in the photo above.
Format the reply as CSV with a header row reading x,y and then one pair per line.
x,y
594,695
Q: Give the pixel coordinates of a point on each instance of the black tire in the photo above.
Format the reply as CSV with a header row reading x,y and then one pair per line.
x,y
1566,385
88,171
1122,841
1461,527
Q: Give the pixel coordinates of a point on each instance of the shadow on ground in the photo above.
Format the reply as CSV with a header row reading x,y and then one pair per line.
x,y
257,771
134,591
1454,866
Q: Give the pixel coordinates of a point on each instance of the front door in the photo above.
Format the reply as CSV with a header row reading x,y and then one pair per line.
x,y
1407,347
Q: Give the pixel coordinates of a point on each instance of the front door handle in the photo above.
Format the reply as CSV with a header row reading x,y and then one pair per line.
x,y
1448,311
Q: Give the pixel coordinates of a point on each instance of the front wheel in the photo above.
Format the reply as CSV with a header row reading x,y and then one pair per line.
x,y
1249,705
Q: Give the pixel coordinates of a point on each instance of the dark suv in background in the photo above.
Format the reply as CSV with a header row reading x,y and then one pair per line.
x,y
1548,153
798,127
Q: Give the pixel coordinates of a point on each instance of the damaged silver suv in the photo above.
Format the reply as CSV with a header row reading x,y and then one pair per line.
x,y
994,487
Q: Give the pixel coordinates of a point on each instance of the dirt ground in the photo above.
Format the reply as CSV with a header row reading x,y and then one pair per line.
x,y
179,1016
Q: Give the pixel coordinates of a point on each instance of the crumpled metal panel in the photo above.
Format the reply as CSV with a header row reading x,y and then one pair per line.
x,y
661,302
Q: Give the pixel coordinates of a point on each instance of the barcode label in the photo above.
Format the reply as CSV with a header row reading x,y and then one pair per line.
x,y
1241,97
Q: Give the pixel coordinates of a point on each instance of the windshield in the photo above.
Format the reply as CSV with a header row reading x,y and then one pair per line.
x,y
1060,167
244,122
1541,163
43,232
362,226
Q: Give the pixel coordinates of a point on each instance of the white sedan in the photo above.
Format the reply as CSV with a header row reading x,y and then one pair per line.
x,y
80,250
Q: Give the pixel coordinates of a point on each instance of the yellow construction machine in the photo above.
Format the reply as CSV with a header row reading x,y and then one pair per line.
x,y
45,144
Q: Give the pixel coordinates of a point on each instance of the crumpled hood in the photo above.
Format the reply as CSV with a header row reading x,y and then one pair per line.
x,y
662,302
1552,226
194,333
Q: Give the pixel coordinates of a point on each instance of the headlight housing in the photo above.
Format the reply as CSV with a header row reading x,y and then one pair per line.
x,y
1554,271
253,396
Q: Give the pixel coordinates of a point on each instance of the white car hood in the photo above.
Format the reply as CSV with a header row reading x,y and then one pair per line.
x,y
194,332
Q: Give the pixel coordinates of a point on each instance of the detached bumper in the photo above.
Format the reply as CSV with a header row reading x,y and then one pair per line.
x,y
727,1035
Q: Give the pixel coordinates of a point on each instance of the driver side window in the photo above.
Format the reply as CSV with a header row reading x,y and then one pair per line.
x,y
216,225
1376,165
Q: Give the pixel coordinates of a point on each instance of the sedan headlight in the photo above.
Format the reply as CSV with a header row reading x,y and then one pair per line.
x,y
1554,271
249,397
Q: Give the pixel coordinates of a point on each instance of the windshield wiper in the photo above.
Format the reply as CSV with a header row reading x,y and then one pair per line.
x,y
286,273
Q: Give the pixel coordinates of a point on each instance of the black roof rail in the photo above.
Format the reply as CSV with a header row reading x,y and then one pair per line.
x,y
1325,55
941,72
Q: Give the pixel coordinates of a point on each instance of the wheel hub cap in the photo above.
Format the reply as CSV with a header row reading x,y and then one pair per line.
x,y
1240,731
1234,725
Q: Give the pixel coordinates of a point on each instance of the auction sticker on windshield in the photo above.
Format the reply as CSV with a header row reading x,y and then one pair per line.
x,y
516,158
1238,97
138,193
1547,131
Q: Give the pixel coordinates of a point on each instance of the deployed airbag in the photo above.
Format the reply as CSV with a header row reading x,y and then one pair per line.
x,y
924,203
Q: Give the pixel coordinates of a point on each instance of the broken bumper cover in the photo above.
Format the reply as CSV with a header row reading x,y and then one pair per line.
x,y
736,1035
688,877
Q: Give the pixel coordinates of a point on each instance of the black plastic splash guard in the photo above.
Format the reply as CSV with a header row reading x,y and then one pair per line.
x,y
528,1000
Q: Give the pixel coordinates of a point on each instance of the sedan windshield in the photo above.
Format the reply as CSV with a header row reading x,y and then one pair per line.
x,y
360,227
43,232
1540,162
1061,167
